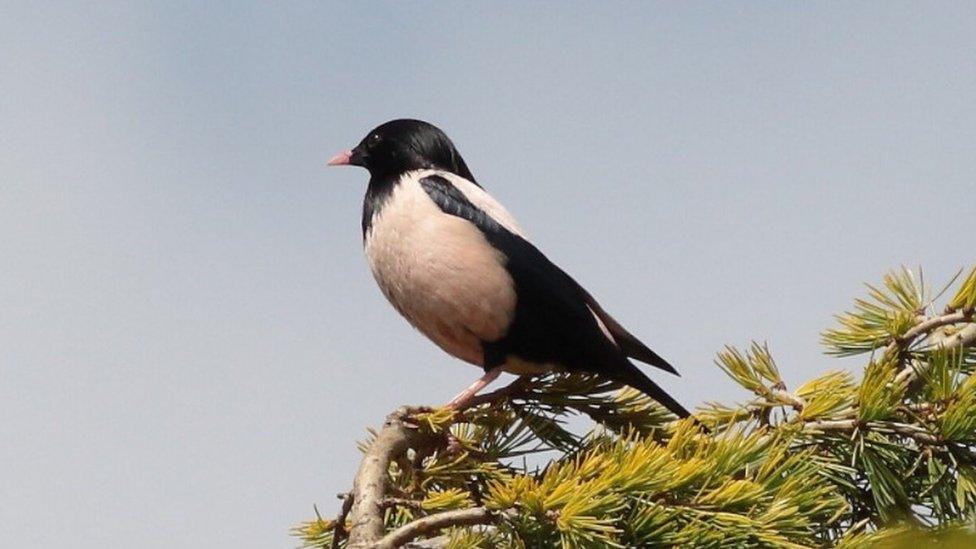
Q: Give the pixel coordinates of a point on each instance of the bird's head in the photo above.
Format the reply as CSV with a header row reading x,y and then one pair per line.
x,y
403,145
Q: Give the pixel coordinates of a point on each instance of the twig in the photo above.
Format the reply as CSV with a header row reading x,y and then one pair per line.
x,y
904,429
787,397
845,425
928,325
339,531
443,540
434,523
963,337
849,425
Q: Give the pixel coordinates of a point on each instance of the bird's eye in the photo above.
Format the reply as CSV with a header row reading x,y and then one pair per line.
x,y
373,140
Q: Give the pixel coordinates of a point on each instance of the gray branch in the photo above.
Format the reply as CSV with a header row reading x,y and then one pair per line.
x,y
435,523
370,487
964,337
849,425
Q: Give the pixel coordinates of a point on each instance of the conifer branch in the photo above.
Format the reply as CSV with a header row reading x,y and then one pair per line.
x,y
834,463
339,533
434,523
782,395
965,336
850,425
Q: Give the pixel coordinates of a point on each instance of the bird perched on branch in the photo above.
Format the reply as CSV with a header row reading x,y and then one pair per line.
x,y
455,263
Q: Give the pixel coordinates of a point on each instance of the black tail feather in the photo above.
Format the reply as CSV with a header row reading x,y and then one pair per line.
x,y
637,379
628,343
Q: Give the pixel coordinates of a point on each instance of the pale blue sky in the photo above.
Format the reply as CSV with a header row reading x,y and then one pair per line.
x,y
190,341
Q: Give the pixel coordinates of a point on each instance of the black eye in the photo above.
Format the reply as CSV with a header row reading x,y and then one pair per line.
x,y
373,140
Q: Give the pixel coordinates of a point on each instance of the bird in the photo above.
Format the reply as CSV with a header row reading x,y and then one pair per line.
x,y
457,265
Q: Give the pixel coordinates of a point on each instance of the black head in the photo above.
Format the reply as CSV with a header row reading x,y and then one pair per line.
x,y
403,145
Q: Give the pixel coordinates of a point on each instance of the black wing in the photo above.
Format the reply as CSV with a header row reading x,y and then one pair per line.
x,y
553,322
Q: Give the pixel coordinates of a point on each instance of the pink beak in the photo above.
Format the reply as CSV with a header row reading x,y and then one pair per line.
x,y
341,159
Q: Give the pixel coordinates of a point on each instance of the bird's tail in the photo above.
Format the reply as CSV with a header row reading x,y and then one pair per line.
x,y
632,375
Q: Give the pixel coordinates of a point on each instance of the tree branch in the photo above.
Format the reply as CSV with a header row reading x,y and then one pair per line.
x,y
443,540
962,338
849,425
928,325
370,487
339,531
786,397
965,336
434,523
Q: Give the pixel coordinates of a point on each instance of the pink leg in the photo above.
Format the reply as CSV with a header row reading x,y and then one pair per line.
x,y
465,395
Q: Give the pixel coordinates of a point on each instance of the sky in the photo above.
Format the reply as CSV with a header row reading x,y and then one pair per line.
x,y
190,340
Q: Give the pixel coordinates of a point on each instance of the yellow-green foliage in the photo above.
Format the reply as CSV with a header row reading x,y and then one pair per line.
x,y
965,298
886,461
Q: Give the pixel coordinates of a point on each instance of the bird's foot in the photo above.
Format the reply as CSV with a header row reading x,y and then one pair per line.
x,y
459,402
